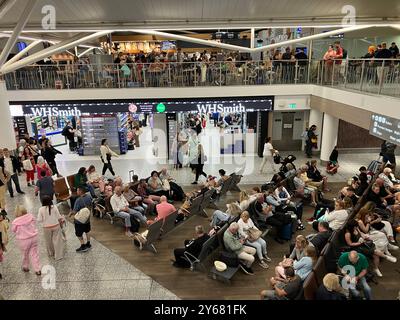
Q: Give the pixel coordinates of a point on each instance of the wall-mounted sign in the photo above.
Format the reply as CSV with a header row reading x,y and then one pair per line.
x,y
292,105
204,105
385,128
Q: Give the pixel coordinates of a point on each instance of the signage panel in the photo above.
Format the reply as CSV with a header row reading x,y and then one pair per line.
x,y
204,105
385,128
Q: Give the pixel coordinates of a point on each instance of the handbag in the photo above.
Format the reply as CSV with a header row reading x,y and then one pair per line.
x,y
27,164
83,216
165,185
254,234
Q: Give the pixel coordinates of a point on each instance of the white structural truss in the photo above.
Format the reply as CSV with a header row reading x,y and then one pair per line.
x,y
80,39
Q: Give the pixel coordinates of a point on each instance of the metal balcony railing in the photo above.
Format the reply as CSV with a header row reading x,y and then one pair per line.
x,y
366,75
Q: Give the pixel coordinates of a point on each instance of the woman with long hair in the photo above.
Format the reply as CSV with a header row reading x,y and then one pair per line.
x,y
199,163
106,154
52,221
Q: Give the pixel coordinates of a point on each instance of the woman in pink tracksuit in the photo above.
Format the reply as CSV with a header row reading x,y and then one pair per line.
x,y
24,226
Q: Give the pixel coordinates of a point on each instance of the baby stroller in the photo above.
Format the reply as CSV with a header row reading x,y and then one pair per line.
x,y
287,163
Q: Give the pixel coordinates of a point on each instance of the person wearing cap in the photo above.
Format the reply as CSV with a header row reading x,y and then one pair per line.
x,y
192,248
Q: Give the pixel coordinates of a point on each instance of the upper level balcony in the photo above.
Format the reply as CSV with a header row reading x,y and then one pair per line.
x,y
375,76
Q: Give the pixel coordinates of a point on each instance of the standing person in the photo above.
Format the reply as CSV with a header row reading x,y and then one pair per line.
x,y
387,152
26,233
12,165
311,140
52,221
82,218
268,154
28,157
45,187
69,133
394,49
3,239
215,117
49,154
138,132
328,63
203,121
199,163
4,178
106,154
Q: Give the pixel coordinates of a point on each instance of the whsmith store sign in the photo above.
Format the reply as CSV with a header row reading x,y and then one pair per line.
x,y
205,105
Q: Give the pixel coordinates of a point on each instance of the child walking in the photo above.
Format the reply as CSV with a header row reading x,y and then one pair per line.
x,y
24,226
3,239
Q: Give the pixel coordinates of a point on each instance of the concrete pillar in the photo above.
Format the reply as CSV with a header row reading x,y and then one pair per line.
x,y
7,134
329,136
316,118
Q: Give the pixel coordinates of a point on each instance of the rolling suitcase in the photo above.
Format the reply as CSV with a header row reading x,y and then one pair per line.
x,y
374,166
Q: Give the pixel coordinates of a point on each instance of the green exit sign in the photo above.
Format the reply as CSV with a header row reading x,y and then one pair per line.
x,y
292,105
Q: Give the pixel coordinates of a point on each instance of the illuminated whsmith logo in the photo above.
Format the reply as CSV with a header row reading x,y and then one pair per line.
x,y
55,112
219,107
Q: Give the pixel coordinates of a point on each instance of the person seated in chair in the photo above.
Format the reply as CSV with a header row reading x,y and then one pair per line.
x,y
94,178
81,180
302,190
348,192
330,288
163,209
149,199
388,183
284,290
155,185
219,217
317,179
135,201
223,177
193,247
355,279
120,207
175,190
320,239
234,243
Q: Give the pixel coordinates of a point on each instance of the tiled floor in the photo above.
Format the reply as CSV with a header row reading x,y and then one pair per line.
x,y
102,274
142,161
96,274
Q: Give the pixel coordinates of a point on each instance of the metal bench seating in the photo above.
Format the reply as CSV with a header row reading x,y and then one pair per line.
x,y
169,223
153,234
195,206
235,181
61,190
198,263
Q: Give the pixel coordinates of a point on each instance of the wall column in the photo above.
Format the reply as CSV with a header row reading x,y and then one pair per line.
x,y
7,134
329,136
316,118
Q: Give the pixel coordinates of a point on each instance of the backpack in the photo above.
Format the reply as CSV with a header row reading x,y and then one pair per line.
x,y
65,131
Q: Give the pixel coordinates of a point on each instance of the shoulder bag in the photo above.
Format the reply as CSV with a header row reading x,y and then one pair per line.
x,y
254,234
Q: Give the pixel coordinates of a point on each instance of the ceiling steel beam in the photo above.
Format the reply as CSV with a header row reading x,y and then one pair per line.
x,y
21,53
23,19
57,48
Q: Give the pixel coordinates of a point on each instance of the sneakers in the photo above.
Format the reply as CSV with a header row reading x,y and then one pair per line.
x,y
28,184
38,273
378,273
300,227
263,264
82,248
129,234
392,247
391,259
246,270
266,258
88,245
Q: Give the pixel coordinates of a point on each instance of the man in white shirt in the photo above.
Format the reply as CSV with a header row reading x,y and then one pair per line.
x,y
11,165
121,209
385,176
268,154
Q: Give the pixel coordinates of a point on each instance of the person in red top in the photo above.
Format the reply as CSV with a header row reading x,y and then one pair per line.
x,y
164,209
339,53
